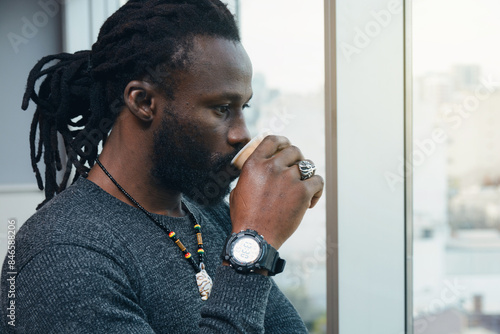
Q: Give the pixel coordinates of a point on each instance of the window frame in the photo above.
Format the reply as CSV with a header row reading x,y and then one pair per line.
x,y
339,314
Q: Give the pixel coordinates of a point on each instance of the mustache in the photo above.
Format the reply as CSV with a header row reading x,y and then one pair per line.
x,y
223,161
222,166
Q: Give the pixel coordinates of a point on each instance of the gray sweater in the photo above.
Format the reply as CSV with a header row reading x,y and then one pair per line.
x,y
88,263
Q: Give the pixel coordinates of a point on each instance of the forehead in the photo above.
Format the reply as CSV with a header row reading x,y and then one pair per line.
x,y
216,66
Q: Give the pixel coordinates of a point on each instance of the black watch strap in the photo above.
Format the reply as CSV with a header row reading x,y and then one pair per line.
x,y
273,263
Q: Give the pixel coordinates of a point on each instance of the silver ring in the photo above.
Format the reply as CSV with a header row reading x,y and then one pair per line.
x,y
306,169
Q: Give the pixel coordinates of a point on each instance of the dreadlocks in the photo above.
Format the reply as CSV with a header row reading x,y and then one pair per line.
x,y
82,93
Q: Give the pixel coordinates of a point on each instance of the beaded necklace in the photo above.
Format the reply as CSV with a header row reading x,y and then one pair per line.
x,y
202,278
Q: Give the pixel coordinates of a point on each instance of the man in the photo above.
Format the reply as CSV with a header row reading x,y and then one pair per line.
x,y
134,245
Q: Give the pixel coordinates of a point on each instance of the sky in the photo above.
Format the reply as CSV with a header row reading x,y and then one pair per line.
x,y
448,32
284,39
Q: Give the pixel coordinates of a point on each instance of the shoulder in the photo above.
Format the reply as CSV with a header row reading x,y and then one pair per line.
x,y
80,216
54,217
72,208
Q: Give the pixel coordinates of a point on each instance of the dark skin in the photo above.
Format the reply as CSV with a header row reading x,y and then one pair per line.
x,y
211,94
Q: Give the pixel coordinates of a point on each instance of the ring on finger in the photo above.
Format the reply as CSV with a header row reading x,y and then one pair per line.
x,y
306,169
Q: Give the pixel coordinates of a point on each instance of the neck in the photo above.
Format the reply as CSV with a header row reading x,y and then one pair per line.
x,y
131,170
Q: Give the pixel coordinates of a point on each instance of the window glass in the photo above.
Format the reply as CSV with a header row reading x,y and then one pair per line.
x,y
285,41
456,164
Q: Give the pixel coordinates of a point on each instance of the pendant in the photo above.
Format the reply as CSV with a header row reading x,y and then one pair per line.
x,y
204,284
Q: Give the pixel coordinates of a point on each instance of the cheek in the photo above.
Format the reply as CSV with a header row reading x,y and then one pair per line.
x,y
213,135
219,138
202,127
212,141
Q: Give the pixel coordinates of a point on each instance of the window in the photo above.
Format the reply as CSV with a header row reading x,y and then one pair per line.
x,y
456,164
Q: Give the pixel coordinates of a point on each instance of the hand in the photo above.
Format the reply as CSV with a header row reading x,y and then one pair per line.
x,y
270,197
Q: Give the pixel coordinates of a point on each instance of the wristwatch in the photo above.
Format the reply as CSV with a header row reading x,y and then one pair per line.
x,y
247,251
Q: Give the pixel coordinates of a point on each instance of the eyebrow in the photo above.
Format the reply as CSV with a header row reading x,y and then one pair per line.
x,y
249,98
233,96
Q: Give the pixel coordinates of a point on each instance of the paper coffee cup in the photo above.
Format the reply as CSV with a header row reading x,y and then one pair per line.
x,y
247,150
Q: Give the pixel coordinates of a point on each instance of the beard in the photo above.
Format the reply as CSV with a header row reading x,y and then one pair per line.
x,y
182,163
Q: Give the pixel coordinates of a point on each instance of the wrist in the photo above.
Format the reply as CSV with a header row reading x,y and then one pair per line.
x,y
263,272
247,252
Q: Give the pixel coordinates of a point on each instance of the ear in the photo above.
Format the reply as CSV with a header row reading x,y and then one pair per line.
x,y
140,98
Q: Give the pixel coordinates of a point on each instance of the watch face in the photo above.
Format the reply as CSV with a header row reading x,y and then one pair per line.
x,y
246,250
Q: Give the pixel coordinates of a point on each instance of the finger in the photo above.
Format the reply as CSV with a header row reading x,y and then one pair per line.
x,y
289,156
270,146
315,186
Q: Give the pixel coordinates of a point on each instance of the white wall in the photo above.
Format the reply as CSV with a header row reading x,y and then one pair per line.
x,y
82,21
28,32
30,29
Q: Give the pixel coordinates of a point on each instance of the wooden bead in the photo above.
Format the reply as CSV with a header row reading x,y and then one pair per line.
x,y
180,245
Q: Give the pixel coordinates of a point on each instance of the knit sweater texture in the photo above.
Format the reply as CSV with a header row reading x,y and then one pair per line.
x,y
88,263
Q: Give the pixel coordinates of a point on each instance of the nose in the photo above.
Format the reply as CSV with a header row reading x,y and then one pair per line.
x,y
238,134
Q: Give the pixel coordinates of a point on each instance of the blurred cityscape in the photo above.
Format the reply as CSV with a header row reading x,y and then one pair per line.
x,y
456,203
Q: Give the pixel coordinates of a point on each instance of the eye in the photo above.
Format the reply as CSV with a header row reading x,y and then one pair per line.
x,y
246,105
223,109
